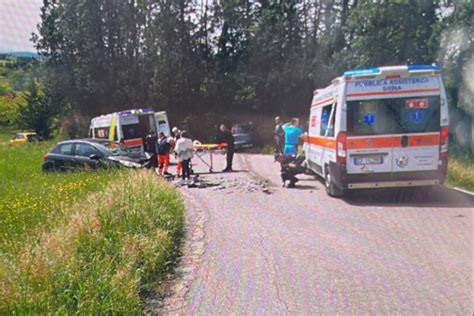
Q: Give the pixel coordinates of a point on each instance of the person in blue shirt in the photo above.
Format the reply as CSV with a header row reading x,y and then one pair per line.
x,y
292,136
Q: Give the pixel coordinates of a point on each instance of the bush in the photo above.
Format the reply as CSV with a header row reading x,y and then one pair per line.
x,y
9,108
5,88
461,168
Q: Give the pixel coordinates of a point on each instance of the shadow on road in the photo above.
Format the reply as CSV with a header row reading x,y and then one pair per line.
x,y
432,197
300,186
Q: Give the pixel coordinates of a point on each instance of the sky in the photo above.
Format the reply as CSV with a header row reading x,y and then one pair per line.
x,y
18,19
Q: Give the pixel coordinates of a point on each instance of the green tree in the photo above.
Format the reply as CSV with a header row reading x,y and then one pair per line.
x,y
9,105
390,32
39,111
178,69
5,88
275,78
456,56
94,52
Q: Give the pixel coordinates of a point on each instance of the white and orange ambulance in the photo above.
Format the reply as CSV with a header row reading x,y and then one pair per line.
x,y
129,126
379,127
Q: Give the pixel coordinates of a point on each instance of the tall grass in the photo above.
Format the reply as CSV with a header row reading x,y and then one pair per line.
x,y
461,168
32,200
6,133
84,243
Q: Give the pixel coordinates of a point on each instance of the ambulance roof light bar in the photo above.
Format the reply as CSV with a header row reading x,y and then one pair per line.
x,y
432,67
362,72
391,71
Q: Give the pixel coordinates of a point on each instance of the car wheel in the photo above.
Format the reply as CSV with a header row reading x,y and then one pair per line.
x,y
48,167
331,188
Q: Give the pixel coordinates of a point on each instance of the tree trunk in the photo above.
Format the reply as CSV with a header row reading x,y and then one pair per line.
x,y
472,135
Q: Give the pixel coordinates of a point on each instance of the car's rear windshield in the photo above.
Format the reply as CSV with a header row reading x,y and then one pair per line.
x,y
393,116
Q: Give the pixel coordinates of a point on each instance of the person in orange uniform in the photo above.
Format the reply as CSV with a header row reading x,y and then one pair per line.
x,y
164,148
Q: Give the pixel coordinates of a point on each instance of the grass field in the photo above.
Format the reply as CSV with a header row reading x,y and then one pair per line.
x,y
84,242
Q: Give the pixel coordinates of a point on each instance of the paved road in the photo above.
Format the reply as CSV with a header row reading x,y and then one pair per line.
x,y
298,251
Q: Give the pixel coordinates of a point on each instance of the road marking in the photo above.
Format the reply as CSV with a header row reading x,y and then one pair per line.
x,y
462,191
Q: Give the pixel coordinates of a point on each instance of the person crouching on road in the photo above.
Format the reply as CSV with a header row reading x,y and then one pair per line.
x,y
164,148
293,133
228,138
177,135
150,147
184,151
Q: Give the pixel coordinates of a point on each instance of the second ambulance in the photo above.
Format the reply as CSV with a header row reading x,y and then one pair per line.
x,y
380,127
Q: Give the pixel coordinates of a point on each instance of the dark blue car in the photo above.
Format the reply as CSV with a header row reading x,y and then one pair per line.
x,y
79,154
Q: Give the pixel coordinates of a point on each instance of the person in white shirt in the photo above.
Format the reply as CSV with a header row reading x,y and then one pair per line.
x,y
179,165
184,152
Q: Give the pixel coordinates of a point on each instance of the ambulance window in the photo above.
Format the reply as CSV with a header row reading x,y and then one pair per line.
x,y
327,123
101,132
393,116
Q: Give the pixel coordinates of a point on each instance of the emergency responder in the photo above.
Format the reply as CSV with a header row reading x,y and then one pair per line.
x,y
228,138
293,133
164,148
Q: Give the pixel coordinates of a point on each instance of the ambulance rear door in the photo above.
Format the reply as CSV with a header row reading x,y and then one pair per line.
x,y
369,144
162,124
416,147
320,115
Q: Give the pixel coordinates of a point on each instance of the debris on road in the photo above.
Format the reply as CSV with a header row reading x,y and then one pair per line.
x,y
229,185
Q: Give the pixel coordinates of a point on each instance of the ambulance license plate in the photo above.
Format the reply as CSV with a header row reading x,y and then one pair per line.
x,y
368,161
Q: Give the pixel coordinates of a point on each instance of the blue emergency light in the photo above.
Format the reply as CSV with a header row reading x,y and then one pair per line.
x,y
377,70
433,67
364,71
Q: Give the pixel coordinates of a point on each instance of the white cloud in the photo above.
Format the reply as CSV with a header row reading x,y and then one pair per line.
x,y
18,19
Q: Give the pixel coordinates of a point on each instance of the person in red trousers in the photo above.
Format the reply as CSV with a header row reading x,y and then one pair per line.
x,y
164,148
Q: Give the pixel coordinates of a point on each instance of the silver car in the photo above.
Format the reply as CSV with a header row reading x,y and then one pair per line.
x,y
243,136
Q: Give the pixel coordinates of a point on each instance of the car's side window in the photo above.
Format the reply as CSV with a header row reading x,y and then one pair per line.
x,y
85,150
65,149
19,136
